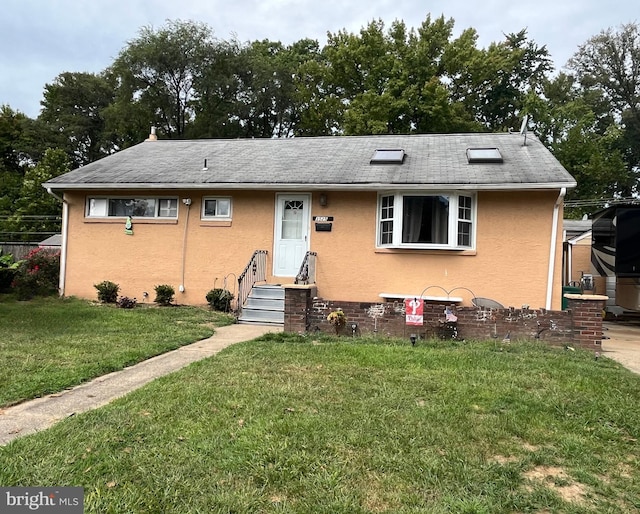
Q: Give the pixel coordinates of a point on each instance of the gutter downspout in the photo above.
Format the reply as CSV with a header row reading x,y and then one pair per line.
x,y
187,202
569,259
63,250
552,247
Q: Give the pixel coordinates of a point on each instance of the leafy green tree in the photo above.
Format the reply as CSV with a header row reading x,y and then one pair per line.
x,y
609,64
320,108
397,81
257,90
579,129
22,144
11,128
74,106
596,164
36,212
497,80
156,74
218,92
267,88
269,103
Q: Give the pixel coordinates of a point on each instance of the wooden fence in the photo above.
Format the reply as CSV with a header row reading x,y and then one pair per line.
x,y
18,250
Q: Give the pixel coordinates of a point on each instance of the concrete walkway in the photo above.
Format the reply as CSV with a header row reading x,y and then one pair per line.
x,y
623,343
39,414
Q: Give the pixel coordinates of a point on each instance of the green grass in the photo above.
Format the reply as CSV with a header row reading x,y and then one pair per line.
x,y
49,344
299,424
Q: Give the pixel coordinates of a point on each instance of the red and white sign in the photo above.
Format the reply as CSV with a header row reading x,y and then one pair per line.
x,y
413,308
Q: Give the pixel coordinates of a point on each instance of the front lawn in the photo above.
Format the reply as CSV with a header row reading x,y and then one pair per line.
x,y
49,344
303,424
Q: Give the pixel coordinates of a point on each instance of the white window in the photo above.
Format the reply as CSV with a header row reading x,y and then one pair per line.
x,y
426,220
168,208
216,207
135,207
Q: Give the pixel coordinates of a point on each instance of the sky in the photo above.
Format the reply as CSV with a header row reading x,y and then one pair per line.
x,y
40,39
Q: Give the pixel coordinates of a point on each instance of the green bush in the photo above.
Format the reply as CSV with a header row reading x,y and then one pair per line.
x,y
164,294
125,302
8,270
38,274
107,291
219,300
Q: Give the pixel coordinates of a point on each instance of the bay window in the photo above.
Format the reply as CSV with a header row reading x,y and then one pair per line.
x,y
443,220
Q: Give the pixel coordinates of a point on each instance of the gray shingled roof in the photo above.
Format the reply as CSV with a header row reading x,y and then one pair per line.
x,y
432,161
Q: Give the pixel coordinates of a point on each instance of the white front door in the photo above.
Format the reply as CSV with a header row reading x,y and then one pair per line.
x,y
291,241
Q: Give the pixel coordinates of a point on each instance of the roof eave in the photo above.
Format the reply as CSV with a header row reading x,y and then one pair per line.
x,y
509,186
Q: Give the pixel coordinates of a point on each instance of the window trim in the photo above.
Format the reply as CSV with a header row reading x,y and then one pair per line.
x,y
205,217
107,198
452,224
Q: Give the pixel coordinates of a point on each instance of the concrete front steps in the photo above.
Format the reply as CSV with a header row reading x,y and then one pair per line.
x,y
264,305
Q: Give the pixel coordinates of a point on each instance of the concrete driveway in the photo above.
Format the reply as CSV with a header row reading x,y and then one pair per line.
x,y
623,343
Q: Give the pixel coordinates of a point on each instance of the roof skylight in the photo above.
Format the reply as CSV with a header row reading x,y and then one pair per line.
x,y
388,156
475,155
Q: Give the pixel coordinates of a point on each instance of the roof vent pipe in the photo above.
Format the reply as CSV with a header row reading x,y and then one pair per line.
x,y
204,168
152,135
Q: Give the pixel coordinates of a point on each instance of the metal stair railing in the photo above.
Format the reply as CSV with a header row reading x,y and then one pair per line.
x,y
255,271
307,273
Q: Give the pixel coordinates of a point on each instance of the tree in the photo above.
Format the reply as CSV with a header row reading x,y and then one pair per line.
x,y
596,164
11,169
37,212
579,128
155,76
396,81
609,64
319,108
74,106
497,80
22,143
266,106
218,91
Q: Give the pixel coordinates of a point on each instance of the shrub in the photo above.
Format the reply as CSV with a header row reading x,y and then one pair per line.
x,y
38,274
164,294
338,319
219,300
126,303
8,270
107,291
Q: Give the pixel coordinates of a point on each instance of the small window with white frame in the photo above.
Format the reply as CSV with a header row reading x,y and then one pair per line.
x,y
120,207
216,207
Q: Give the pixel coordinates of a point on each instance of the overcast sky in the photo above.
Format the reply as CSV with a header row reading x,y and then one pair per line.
x,y
39,39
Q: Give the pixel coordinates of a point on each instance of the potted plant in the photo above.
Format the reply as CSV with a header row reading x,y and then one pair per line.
x,y
338,319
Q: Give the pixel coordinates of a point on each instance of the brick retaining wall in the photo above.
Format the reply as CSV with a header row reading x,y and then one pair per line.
x,y
580,325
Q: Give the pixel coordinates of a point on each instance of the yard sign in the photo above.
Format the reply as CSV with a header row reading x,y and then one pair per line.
x,y
413,308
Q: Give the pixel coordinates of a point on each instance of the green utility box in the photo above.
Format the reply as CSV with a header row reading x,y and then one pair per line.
x,y
568,290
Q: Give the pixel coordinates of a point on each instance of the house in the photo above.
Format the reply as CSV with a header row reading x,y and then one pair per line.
x,y
370,218
53,242
577,250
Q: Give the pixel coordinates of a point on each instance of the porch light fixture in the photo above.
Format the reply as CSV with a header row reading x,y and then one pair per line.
x,y
323,200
